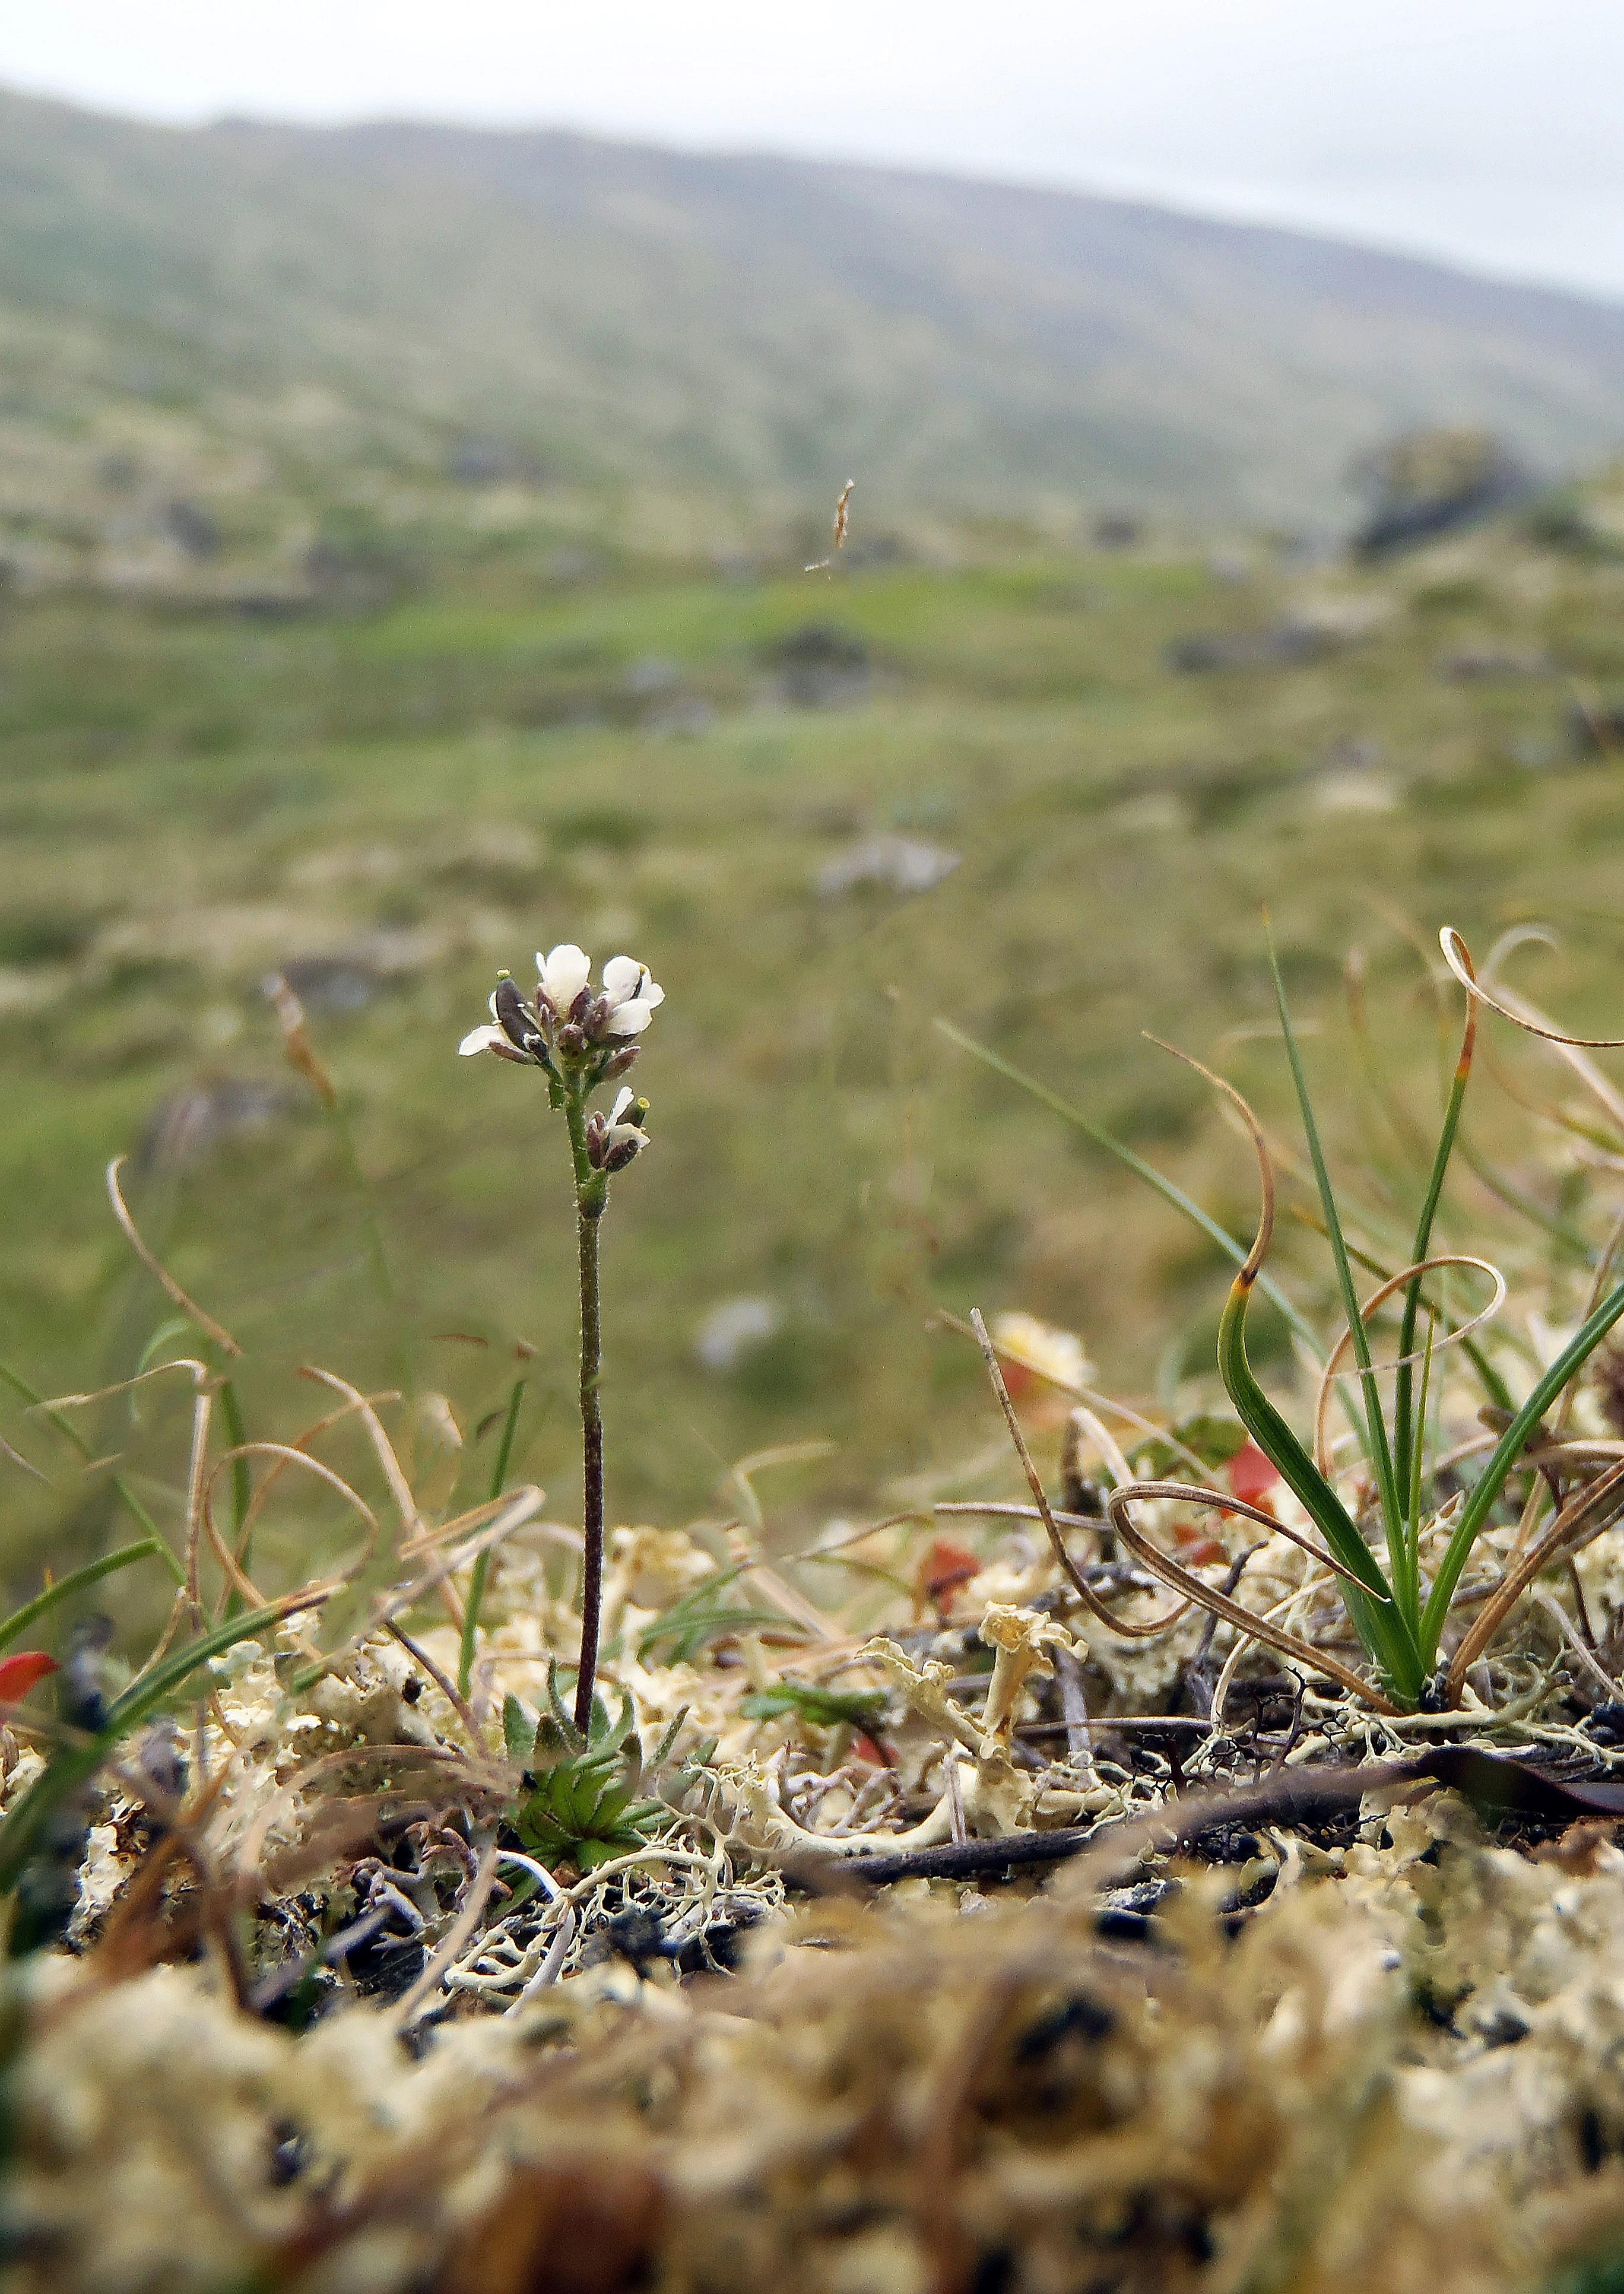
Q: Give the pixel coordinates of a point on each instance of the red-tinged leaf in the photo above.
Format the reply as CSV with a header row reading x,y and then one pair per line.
x,y
1194,1551
18,1673
944,1569
1251,1475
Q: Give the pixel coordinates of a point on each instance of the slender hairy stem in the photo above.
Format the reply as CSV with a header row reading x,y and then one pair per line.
x,y
476,1582
591,1194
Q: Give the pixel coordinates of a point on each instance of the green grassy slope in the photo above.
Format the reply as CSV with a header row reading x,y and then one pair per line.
x,y
499,761
353,300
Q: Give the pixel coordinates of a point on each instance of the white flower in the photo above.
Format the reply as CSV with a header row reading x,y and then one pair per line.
x,y
568,1027
563,975
1053,1353
613,1143
630,994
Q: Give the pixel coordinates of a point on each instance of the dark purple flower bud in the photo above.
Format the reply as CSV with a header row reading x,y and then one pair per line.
x,y
597,1133
593,1018
579,1007
623,1152
622,1060
570,1040
516,1023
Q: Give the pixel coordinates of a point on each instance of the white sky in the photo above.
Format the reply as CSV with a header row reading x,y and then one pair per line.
x,y
1485,131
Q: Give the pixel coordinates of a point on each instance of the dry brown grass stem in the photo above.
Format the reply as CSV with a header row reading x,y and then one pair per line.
x,y
1244,1621
446,1687
1106,1402
301,1441
1264,1236
400,1488
189,1307
202,1402
1583,1518
237,1577
521,1504
1528,1016
1075,1577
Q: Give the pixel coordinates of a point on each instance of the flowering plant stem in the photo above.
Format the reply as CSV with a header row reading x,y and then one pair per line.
x,y
591,1198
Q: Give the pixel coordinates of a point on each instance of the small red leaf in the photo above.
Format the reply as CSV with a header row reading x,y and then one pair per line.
x,y
18,1673
1251,1475
945,1566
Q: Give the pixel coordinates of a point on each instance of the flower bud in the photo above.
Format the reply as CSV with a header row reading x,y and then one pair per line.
x,y
572,1042
623,1152
597,1132
622,1060
581,1005
511,1017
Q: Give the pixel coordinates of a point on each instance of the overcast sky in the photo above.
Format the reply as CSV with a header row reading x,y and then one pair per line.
x,y
1485,131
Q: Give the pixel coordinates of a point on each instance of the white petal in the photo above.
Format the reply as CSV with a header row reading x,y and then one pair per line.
x,y
623,1101
565,973
483,1040
651,993
621,975
627,1019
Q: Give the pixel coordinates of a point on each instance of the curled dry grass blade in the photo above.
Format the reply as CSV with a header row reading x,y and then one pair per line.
x,y
160,1273
1219,1605
1459,1335
1515,1009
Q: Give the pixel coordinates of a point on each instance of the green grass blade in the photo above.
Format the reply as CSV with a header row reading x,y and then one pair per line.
x,y
1377,1619
1379,1453
1404,1388
1152,1177
77,1582
1486,1489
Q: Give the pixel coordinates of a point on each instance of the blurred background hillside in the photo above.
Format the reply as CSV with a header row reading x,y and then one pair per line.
x,y
404,536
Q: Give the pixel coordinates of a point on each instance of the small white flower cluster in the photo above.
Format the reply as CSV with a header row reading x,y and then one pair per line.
x,y
569,1023
612,1140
